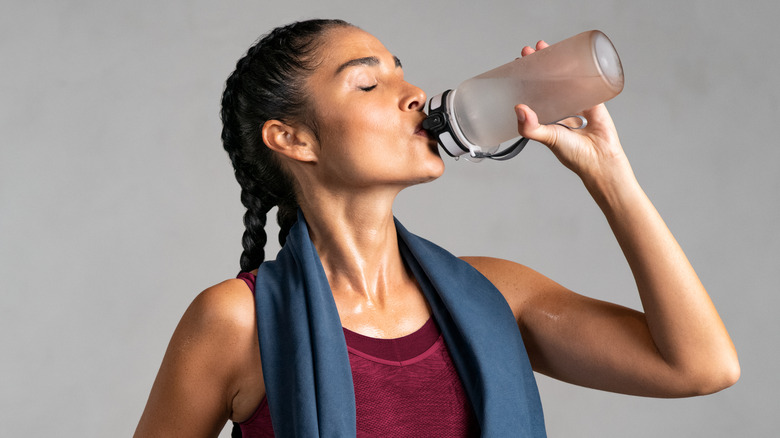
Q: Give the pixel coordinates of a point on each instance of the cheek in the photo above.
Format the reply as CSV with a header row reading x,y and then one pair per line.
x,y
373,121
359,127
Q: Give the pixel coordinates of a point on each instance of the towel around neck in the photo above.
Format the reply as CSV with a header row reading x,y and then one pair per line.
x,y
304,356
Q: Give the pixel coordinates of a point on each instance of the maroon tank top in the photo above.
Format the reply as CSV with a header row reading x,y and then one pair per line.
x,y
404,387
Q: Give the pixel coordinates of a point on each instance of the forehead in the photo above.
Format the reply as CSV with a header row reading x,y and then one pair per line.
x,y
344,44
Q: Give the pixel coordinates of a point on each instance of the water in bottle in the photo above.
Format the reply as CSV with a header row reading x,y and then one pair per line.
x,y
556,82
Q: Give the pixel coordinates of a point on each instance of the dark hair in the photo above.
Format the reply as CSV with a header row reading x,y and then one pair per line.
x,y
268,84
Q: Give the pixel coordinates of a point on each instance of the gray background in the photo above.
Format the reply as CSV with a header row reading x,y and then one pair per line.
x,y
118,205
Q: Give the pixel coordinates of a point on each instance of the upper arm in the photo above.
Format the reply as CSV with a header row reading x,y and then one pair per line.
x,y
205,365
579,339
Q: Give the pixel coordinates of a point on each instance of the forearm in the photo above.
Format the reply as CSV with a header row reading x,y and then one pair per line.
x,y
681,318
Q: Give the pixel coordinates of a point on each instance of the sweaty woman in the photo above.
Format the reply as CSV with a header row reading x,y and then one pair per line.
x,y
319,121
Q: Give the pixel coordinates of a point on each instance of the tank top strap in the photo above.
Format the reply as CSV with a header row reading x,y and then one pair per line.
x,y
249,278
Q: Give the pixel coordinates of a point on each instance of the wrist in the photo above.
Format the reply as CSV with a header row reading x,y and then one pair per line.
x,y
612,183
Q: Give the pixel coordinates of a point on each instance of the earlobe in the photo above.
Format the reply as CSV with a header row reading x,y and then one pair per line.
x,y
292,142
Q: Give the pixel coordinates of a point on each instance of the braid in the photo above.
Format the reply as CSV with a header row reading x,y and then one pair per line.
x,y
267,84
254,238
286,217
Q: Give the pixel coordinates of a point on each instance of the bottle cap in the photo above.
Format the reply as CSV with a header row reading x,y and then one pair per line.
x,y
444,127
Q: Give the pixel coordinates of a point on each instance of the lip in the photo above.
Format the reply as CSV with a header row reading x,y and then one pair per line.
x,y
433,143
422,132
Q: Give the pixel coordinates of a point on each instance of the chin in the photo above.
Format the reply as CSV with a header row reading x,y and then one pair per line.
x,y
438,165
440,171
435,170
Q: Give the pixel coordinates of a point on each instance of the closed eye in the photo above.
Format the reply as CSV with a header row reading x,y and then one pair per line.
x,y
369,88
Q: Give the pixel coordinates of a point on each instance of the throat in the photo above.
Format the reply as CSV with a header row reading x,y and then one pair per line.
x,y
391,313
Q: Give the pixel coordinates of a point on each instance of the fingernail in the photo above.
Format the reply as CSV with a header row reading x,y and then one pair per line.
x,y
520,115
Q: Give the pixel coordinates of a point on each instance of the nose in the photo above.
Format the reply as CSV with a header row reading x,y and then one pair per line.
x,y
414,98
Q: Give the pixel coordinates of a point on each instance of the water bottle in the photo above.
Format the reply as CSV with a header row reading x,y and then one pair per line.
x,y
557,82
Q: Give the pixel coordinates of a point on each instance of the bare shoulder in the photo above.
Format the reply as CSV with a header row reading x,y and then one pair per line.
x,y
223,319
227,306
519,284
499,270
218,319
210,371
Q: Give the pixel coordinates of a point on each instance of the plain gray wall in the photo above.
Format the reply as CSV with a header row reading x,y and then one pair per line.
x,y
118,205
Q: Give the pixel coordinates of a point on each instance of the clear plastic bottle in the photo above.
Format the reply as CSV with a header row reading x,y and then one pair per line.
x,y
556,82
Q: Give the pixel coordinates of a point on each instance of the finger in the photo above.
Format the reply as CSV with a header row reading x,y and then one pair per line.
x,y
527,50
598,116
528,126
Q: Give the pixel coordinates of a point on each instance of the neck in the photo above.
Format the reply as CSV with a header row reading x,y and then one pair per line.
x,y
355,237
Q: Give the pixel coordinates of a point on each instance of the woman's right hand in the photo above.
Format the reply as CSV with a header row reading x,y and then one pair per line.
x,y
593,152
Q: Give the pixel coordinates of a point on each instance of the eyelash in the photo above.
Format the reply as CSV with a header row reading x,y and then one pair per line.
x,y
368,88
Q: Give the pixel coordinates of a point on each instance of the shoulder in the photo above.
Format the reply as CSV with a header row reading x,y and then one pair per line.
x,y
217,327
495,268
520,285
223,319
228,305
209,372
504,274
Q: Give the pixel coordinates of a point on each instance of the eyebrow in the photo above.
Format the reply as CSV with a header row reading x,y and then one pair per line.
x,y
367,61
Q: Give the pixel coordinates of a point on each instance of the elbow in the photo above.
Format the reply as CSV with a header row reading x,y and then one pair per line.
x,y
715,377
729,374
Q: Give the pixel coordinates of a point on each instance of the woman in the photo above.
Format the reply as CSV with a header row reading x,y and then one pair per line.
x,y
317,117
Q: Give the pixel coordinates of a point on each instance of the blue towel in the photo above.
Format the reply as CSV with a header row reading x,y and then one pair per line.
x,y
306,368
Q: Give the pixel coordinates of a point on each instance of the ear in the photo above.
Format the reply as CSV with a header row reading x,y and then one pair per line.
x,y
296,143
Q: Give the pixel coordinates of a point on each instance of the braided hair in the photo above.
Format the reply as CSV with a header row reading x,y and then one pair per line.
x,y
268,84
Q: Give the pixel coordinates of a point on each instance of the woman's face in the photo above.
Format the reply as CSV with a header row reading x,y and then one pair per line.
x,y
369,119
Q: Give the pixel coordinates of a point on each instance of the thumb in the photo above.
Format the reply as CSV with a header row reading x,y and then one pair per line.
x,y
528,126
